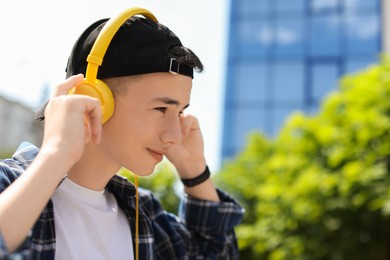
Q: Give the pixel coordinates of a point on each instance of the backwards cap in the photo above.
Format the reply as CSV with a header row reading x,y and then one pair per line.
x,y
140,46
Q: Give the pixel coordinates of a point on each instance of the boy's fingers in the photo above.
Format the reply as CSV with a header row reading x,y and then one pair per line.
x,y
63,88
185,125
188,123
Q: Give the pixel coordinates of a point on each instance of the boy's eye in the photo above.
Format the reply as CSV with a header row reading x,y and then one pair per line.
x,y
161,109
164,110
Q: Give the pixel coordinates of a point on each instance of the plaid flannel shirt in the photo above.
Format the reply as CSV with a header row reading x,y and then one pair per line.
x,y
204,230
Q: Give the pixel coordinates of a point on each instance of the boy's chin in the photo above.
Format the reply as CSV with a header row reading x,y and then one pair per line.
x,y
144,171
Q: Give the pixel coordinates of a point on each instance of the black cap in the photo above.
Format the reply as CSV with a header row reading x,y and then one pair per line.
x,y
140,46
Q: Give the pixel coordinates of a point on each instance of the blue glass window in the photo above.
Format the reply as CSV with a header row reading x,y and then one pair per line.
x,y
281,115
255,37
289,82
289,6
246,121
246,7
289,37
250,82
354,65
324,6
325,35
234,40
362,33
353,5
324,79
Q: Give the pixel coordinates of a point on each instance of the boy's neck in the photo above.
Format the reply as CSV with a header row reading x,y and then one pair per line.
x,y
93,171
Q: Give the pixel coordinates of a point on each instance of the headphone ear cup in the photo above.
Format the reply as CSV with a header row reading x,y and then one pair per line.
x,y
99,90
107,101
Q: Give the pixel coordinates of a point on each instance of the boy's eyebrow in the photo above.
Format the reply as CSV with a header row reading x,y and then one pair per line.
x,y
169,101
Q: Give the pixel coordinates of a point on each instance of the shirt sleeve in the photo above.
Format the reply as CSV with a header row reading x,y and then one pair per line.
x,y
8,174
3,248
6,178
12,168
211,225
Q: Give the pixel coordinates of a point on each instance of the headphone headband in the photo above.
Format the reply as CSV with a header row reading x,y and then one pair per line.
x,y
99,48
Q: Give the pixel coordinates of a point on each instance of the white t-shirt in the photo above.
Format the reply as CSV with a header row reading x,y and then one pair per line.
x,y
89,224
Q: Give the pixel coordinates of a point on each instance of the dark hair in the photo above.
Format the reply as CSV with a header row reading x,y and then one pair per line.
x,y
186,57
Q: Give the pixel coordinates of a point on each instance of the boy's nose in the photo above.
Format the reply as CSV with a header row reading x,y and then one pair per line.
x,y
172,133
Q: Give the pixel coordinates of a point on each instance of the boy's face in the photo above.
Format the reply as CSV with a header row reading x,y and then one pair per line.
x,y
146,120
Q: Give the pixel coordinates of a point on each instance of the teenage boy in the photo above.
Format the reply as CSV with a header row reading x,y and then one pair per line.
x,y
90,211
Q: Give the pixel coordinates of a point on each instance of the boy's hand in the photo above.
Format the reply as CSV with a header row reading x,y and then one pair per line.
x,y
188,156
71,121
189,160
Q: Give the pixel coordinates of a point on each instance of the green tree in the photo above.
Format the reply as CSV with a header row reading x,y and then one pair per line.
x,y
5,153
320,189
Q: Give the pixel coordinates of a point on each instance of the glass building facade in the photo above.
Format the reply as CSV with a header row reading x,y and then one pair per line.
x,y
286,55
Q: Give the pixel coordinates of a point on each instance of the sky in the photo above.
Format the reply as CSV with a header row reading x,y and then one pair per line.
x,y
37,37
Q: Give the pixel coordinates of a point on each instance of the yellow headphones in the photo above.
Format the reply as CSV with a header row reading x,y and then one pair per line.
x,y
92,86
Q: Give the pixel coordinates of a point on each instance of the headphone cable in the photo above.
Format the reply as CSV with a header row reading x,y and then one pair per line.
x,y
136,217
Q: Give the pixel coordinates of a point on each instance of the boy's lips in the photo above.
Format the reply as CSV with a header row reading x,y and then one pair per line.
x,y
158,155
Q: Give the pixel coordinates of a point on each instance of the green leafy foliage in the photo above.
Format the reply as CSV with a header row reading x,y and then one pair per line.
x,y
161,183
321,188
5,153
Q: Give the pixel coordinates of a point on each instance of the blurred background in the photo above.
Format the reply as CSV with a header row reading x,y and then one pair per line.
x,y
264,59
294,107
285,56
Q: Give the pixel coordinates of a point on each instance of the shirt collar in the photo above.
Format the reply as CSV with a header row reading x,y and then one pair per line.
x,y
25,154
121,186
